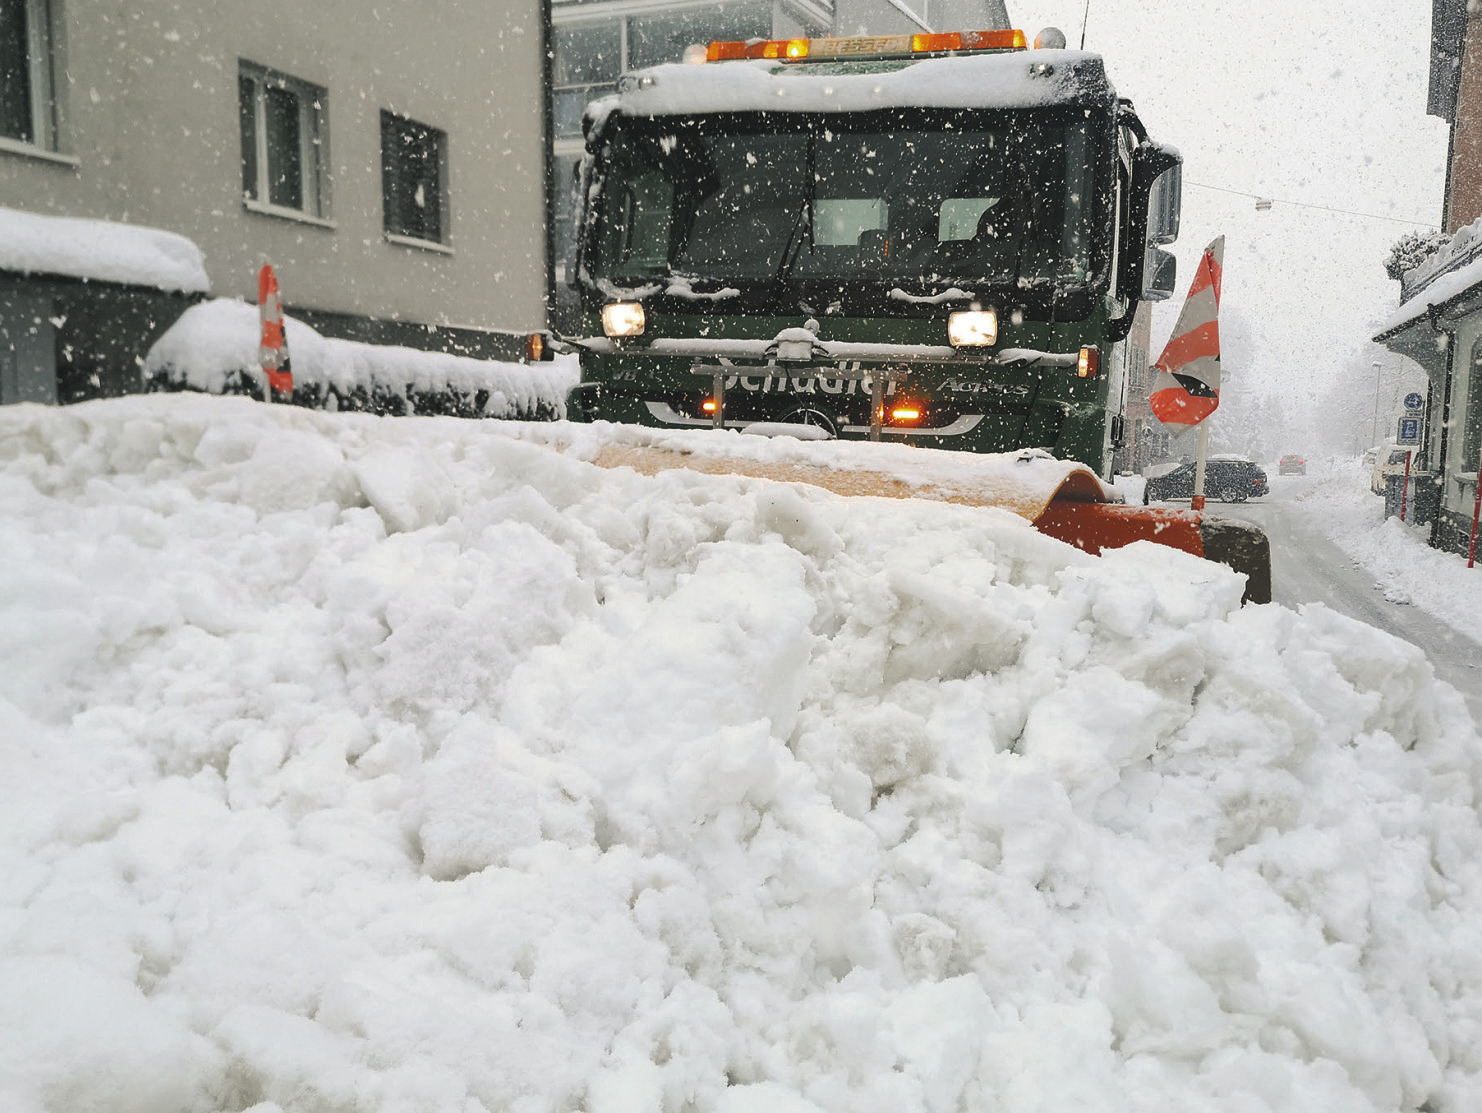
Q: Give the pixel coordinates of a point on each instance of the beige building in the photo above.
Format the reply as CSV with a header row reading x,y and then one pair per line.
x,y
386,156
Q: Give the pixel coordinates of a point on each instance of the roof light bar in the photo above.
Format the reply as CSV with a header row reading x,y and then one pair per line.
x,y
865,46
786,49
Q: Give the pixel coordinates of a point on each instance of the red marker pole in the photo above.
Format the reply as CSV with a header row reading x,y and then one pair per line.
x,y
272,350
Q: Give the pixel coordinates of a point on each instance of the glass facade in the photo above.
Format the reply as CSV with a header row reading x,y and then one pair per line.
x,y
590,54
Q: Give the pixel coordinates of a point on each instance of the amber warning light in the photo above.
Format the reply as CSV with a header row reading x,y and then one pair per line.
x,y
1089,363
865,46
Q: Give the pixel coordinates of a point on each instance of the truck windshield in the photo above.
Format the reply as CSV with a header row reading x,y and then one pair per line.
x,y
729,200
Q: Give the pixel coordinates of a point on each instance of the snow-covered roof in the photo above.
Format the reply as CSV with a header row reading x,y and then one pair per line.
x,y
100,251
1444,289
1444,276
1017,80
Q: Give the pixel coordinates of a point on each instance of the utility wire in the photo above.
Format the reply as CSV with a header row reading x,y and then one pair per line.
x,y
1306,205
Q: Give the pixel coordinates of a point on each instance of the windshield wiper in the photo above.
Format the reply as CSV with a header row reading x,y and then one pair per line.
x,y
802,227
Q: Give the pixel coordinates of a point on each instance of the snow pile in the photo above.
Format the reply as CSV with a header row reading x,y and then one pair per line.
x,y
352,763
101,251
1340,504
214,348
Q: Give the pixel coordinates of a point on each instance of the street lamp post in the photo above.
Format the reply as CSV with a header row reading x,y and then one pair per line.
x,y
1374,435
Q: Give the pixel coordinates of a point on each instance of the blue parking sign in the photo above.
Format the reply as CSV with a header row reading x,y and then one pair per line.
x,y
1409,431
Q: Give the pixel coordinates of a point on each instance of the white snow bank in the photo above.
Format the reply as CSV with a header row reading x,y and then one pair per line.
x,y
419,764
213,347
100,250
1342,506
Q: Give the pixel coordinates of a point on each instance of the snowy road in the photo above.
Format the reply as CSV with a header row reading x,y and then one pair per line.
x,y
1309,568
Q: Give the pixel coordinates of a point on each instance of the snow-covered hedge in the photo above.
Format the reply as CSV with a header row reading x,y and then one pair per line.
x,y
1413,250
213,348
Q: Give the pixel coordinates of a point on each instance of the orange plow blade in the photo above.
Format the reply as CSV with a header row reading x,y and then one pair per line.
x,y
1096,526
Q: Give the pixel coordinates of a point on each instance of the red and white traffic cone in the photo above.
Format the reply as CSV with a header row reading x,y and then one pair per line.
x,y
272,350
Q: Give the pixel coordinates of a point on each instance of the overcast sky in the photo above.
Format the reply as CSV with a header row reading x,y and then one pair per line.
x,y
1317,104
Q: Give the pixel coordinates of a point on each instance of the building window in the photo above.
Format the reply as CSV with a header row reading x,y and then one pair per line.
x,y
590,54
284,142
414,179
28,107
588,59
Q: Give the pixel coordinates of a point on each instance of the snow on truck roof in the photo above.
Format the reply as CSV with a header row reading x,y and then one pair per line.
x,y
1021,79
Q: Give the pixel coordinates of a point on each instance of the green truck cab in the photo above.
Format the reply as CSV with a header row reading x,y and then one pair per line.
x,y
939,240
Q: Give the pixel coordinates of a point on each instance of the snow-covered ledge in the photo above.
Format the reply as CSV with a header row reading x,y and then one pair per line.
x,y
100,251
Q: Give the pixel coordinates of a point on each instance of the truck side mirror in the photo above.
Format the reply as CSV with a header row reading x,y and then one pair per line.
x,y
1159,267
1154,202
1165,204
1159,274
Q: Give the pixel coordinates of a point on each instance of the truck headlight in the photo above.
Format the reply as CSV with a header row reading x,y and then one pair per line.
x,y
973,328
623,318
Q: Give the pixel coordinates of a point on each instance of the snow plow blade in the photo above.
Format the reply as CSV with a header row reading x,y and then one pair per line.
x,y
1063,499
1094,526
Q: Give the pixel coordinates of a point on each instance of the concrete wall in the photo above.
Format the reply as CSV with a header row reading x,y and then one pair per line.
x,y
150,114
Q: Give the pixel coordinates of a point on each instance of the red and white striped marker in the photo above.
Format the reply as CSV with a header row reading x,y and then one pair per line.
x,y
1186,389
272,350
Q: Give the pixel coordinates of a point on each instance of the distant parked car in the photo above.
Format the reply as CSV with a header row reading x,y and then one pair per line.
x,y
1226,479
1292,464
1388,460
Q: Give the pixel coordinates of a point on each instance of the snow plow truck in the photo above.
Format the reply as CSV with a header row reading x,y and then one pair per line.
x,y
938,240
